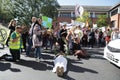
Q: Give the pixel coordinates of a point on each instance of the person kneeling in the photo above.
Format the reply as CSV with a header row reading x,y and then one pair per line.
x,y
60,64
78,51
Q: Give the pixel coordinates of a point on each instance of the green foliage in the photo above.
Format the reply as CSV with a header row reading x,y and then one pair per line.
x,y
25,9
49,11
5,16
102,20
50,8
85,18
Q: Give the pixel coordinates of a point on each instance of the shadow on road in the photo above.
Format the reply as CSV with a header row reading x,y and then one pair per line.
x,y
96,54
79,69
36,65
97,57
44,56
7,66
75,68
67,77
48,56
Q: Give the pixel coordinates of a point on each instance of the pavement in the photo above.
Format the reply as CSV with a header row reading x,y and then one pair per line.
x,y
94,68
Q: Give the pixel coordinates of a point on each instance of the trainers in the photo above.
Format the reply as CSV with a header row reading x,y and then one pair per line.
x,y
36,59
78,57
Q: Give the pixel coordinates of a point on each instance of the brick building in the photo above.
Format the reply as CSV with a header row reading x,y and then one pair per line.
x,y
114,14
66,13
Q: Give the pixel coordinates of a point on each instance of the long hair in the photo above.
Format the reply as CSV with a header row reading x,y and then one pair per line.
x,y
11,22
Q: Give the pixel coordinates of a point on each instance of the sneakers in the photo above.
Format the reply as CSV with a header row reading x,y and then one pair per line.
x,y
60,71
37,60
78,57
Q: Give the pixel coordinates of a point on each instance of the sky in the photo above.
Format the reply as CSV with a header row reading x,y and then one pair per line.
x,y
89,2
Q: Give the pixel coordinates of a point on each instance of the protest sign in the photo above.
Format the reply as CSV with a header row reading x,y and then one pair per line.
x,y
4,34
46,22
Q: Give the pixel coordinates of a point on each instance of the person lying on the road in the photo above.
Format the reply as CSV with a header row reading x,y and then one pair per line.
x,y
60,64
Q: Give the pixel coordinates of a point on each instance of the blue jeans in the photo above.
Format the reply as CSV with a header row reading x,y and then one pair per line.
x,y
38,52
29,47
51,45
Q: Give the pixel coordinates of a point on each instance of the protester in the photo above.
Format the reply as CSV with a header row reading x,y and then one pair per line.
x,y
108,36
62,42
78,32
34,19
63,31
15,43
91,38
24,36
38,38
115,34
37,41
78,51
84,40
69,39
45,40
60,64
11,26
97,37
101,38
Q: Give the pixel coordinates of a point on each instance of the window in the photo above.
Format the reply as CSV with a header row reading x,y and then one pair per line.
x,y
114,12
112,24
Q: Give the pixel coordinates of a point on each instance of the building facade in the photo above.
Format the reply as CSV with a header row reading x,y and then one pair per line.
x,y
66,13
114,13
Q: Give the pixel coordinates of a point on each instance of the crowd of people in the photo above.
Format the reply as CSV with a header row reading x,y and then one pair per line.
x,y
56,39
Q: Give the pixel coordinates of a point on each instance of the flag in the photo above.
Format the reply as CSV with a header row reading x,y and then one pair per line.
x,y
4,34
46,22
76,10
79,11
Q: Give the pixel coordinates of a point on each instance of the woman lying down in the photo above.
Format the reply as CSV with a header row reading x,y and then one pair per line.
x,y
60,64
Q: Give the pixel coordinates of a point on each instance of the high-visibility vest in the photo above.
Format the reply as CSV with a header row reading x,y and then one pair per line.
x,y
17,44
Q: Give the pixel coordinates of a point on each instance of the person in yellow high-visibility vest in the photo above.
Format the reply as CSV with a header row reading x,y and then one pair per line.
x,y
15,43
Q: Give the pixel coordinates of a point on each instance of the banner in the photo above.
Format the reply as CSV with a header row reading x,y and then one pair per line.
x,y
4,34
46,22
77,23
79,11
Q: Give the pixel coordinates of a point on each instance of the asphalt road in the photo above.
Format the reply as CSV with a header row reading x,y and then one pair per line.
x,y
94,68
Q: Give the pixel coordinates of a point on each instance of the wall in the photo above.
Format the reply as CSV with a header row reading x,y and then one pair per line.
x,y
115,18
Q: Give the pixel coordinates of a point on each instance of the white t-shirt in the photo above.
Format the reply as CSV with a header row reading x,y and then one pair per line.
x,y
114,35
61,62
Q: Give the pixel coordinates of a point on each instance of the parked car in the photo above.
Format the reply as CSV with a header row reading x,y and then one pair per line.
x,y
112,52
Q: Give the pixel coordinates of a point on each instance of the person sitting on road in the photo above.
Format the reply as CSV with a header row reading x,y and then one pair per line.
x,y
60,64
78,51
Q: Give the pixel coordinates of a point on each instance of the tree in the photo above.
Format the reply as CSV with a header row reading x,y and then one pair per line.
x,y
49,11
50,8
5,16
102,20
85,18
25,9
